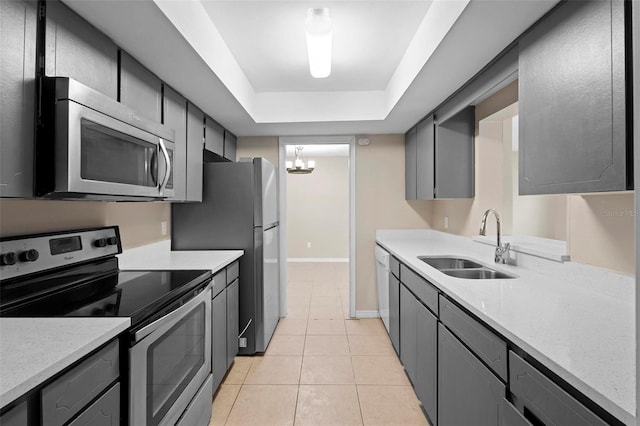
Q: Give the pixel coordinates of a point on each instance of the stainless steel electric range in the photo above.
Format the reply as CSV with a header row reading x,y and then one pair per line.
x,y
75,274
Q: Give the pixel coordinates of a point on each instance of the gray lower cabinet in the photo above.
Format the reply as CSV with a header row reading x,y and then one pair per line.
x,y
408,332
219,338
104,412
230,146
214,137
17,416
410,164
195,145
544,401
76,49
139,88
233,320
394,312
572,133
426,374
426,162
17,85
454,156
468,392
175,117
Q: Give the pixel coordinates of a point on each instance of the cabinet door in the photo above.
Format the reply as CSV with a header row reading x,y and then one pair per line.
x,y
195,140
426,383
230,146
76,49
219,338
140,89
454,156
394,312
214,137
425,159
408,332
572,101
175,117
410,164
468,393
233,320
17,85
17,416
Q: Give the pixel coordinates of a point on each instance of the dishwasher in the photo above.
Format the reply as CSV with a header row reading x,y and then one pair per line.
x,y
382,278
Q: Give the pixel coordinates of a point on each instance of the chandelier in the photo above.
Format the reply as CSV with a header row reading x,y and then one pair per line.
x,y
298,166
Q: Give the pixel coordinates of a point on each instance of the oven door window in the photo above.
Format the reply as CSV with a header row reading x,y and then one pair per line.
x,y
172,361
111,156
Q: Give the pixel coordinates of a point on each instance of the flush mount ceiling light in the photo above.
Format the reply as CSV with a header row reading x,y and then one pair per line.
x,y
319,38
298,167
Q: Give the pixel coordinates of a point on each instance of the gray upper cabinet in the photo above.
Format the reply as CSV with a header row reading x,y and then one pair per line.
x,y
425,159
175,117
468,393
76,49
410,164
140,89
572,101
195,141
214,137
230,146
454,156
17,85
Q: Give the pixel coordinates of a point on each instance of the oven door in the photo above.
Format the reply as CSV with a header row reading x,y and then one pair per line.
x,y
98,154
169,361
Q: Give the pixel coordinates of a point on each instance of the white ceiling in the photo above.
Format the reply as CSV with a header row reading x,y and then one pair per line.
x,y
267,39
320,150
246,89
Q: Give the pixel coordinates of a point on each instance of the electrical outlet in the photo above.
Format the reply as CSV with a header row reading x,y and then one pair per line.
x,y
446,222
242,342
163,227
309,244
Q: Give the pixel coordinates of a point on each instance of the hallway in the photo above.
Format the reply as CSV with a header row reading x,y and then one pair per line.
x,y
321,368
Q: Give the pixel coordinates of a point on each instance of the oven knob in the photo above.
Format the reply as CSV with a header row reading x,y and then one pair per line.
x,y
7,259
100,242
112,241
29,255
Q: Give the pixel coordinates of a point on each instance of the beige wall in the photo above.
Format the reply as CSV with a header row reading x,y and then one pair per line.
x,y
140,223
380,202
599,228
318,210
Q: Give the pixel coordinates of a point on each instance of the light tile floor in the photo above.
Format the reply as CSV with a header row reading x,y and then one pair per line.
x,y
321,368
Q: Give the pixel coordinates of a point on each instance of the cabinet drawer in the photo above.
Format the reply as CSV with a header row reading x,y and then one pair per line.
x,y
104,412
544,399
484,343
510,416
219,282
420,287
394,266
66,396
233,272
17,416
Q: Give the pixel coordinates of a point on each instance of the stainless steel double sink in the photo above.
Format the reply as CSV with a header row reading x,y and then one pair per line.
x,y
464,268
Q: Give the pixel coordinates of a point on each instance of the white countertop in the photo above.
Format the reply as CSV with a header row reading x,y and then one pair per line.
x,y
159,256
32,350
577,320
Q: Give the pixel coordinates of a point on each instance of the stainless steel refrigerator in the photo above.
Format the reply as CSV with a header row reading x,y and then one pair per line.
x,y
239,210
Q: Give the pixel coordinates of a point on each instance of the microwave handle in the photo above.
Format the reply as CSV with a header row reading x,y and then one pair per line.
x,y
167,169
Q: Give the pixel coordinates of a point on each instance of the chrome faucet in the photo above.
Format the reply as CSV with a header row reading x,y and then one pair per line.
x,y
502,250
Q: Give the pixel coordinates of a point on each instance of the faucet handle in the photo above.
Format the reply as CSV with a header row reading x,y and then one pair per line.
x,y
502,253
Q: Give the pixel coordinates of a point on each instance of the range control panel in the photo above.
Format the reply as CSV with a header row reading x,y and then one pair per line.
x,y
29,254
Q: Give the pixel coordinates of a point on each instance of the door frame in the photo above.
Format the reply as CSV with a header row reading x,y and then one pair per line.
x,y
282,203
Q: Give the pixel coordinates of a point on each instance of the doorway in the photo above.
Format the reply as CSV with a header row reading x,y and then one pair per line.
x,y
317,212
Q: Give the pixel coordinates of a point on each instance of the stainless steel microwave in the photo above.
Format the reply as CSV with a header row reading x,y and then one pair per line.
x,y
89,146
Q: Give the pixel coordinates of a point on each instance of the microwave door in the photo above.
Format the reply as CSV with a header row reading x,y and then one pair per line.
x,y
107,156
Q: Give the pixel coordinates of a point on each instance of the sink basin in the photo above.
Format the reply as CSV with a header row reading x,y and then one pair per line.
x,y
477,274
442,263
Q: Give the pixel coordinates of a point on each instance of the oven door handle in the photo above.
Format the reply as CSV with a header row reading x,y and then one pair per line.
x,y
173,317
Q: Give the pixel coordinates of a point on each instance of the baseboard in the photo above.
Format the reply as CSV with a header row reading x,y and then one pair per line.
x,y
367,314
318,259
